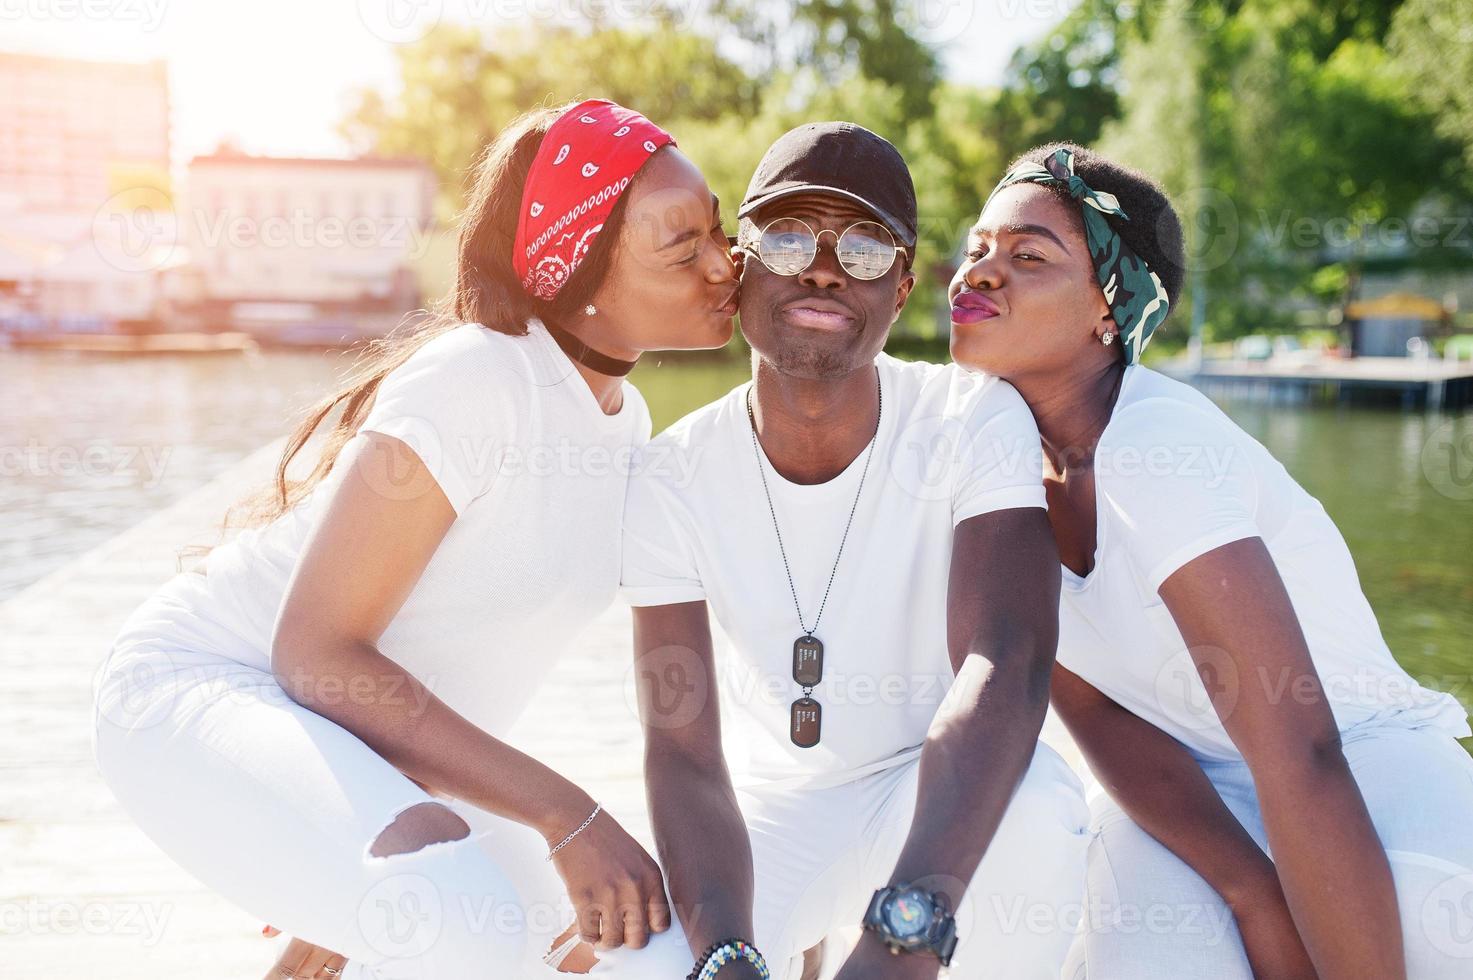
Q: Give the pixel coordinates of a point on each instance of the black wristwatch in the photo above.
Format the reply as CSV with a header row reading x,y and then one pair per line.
x,y
910,920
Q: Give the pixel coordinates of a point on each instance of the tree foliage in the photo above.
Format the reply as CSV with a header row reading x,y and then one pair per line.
x,y
1271,122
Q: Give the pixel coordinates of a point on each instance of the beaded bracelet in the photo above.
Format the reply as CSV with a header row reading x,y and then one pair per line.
x,y
729,951
704,957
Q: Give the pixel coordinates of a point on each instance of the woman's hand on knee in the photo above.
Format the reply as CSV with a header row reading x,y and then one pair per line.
x,y
303,961
1270,938
615,886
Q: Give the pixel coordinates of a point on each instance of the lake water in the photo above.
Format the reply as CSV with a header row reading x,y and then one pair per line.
x,y
91,445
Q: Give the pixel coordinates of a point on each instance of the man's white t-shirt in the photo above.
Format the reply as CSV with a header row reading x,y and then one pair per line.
x,y
1176,478
537,474
951,446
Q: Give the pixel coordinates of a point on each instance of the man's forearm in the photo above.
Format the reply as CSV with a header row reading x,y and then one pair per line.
x,y
1002,630
973,760
703,846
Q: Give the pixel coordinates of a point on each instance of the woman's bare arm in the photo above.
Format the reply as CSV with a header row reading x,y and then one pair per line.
x,y
386,518
1236,617
1162,788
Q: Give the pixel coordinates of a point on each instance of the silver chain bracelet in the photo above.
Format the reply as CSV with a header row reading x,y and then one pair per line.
x,y
581,827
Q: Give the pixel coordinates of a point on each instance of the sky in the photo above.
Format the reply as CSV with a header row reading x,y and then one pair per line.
x,y
276,76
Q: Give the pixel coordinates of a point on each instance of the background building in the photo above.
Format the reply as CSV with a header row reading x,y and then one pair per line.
x,y
286,247
86,223
72,131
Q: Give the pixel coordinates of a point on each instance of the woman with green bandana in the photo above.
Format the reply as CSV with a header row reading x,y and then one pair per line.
x,y
1276,797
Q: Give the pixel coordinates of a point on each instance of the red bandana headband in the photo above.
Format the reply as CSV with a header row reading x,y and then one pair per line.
x,y
585,163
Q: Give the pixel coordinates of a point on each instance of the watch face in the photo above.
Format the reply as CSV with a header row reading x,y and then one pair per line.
x,y
908,914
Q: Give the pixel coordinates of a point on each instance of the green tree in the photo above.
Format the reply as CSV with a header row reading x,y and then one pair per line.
x,y
840,40
1285,138
460,88
1273,123
1065,85
1431,43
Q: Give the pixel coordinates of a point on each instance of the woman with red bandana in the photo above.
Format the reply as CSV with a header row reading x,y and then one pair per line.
x,y
313,725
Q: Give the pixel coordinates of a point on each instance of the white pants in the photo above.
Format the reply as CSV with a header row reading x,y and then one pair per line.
x,y
1151,917
819,855
275,807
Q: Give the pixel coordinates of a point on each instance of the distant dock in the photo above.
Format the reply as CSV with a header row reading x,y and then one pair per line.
x,y
1415,382
148,343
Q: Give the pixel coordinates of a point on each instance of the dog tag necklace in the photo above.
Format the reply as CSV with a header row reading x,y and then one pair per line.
x,y
806,716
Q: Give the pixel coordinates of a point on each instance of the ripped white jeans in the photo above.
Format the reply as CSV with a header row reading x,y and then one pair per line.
x,y
276,807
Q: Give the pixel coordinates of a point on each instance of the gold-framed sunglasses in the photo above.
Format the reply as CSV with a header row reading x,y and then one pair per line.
x,y
787,246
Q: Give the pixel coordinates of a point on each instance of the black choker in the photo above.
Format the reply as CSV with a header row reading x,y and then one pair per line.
x,y
587,356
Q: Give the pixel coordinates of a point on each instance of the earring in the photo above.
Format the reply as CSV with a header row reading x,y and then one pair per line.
x,y
1108,338
590,310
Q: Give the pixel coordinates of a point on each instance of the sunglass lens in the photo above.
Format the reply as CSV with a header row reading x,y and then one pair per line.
x,y
787,247
867,250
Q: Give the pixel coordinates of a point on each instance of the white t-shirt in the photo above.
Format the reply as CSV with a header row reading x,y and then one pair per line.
x,y
537,474
951,446
1175,478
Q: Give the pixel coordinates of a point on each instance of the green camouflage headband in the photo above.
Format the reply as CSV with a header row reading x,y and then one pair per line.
x,y
1135,294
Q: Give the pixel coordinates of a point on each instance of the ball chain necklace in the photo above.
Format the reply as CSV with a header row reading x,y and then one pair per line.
x,y
806,714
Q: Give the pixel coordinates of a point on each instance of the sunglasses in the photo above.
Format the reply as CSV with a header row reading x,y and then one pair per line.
x,y
787,246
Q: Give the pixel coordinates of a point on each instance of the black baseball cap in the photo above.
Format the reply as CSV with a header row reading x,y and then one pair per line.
x,y
840,158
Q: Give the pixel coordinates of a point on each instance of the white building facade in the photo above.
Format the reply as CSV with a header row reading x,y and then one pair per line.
x,y
305,238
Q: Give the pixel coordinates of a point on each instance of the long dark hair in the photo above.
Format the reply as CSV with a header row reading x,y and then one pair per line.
x,y
487,292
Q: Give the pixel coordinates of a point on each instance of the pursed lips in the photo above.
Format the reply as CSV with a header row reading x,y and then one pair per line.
x,y
970,307
816,314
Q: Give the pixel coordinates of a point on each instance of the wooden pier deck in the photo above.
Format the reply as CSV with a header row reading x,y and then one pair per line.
x,y
83,894
233,342
1430,383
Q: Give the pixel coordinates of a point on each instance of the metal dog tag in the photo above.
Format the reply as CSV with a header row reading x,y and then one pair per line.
x,y
807,661
807,722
